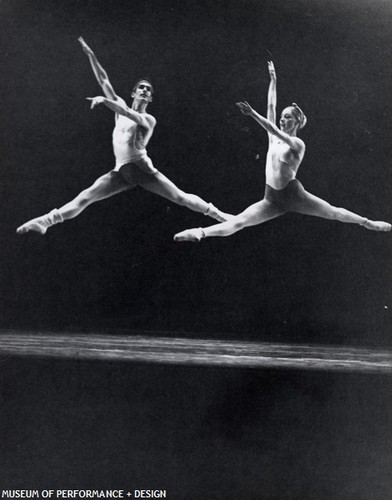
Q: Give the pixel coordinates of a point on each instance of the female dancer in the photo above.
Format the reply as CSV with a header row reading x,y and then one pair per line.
x,y
283,192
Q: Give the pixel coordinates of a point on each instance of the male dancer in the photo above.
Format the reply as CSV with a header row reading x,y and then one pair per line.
x,y
132,132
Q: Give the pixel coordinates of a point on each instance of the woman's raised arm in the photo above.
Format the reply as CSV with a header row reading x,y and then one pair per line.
x,y
272,97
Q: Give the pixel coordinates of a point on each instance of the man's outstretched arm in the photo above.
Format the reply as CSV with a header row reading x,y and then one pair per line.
x,y
119,106
99,72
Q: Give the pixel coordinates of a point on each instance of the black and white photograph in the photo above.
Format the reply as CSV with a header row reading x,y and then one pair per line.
x,y
196,249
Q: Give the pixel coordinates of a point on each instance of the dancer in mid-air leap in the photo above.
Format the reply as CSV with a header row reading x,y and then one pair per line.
x,y
283,192
133,129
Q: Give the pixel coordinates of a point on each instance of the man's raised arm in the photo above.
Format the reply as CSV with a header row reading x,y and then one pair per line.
x,y
99,72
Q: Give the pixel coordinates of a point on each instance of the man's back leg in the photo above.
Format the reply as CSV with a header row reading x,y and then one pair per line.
x,y
159,184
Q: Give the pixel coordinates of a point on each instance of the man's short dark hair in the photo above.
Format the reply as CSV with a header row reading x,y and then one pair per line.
x,y
146,79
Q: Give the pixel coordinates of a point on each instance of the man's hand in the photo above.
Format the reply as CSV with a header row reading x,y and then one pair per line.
x,y
95,101
85,47
271,70
245,108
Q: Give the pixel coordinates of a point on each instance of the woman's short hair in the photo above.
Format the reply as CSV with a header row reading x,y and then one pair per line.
x,y
299,115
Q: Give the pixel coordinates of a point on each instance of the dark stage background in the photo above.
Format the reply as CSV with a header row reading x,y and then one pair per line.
x,y
115,268
116,265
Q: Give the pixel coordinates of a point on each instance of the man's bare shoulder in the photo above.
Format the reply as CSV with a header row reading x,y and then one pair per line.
x,y
120,100
151,119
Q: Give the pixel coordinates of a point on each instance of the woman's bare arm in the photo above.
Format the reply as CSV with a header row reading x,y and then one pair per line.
x,y
272,96
295,143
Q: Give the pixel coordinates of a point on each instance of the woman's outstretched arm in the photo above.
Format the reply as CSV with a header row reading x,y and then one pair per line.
x,y
294,142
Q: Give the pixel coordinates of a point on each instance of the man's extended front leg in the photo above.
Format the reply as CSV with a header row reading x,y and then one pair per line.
x,y
106,186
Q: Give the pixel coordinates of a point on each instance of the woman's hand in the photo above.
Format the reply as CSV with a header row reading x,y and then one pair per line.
x,y
271,70
245,108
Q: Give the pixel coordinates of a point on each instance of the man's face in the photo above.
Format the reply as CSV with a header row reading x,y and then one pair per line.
x,y
143,91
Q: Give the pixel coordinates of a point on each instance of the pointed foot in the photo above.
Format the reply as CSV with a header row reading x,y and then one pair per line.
x,y
190,235
374,225
217,214
35,225
223,217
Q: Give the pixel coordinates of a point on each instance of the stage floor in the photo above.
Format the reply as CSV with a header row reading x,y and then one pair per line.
x,y
196,351
199,419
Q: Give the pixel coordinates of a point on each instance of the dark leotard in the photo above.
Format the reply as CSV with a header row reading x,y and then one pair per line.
x,y
292,198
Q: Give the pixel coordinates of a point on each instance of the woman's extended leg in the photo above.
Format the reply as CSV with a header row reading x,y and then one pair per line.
x,y
159,184
107,185
257,213
312,205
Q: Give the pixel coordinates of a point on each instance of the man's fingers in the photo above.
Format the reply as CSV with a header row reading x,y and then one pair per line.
x,y
95,101
92,99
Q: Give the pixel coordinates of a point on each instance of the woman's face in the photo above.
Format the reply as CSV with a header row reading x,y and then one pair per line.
x,y
287,120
